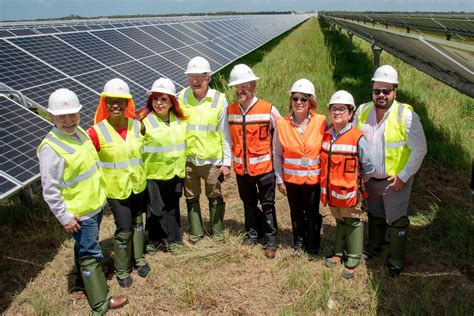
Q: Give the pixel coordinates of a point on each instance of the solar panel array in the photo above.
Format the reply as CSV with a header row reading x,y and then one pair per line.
x,y
459,24
449,62
38,58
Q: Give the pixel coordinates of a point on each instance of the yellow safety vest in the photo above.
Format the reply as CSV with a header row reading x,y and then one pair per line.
x,y
164,147
203,139
395,135
82,185
120,160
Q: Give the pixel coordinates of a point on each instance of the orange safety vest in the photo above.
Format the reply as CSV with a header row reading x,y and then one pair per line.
x,y
301,154
251,138
340,169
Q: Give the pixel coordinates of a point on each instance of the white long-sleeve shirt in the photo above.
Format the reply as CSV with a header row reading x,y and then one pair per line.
x,y
374,132
51,170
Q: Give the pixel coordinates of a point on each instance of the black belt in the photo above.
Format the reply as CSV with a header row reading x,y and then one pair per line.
x,y
377,179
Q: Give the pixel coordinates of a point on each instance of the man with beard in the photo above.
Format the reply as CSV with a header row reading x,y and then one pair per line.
x,y
399,146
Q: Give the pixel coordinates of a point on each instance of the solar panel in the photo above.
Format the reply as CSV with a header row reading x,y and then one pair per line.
x,y
95,48
21,133
38,58
58,54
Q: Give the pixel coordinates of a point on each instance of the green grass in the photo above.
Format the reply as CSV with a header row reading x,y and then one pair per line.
x,y
231,279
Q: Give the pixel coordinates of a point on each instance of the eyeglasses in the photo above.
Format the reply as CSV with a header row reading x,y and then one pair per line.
x,y
302,99
198,77
385,91
338,110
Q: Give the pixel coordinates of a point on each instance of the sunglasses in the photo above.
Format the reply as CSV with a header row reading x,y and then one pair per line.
x,y
302,99
118,101
385,91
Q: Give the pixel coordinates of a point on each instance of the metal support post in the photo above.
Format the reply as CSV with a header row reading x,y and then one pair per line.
x,y
377,51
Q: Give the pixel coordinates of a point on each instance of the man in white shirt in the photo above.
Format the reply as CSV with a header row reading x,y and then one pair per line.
x,y
399,146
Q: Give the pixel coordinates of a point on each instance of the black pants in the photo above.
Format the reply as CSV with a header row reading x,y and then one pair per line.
x,y
125,210
305,218
163,213
253,189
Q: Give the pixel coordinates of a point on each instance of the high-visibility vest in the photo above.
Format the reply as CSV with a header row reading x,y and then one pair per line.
x,y
163,147
203,138
120,160
395,135
251,138
340,169
82,185
301,154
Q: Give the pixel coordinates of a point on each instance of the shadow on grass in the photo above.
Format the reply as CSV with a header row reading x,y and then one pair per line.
x,y
440,237
29,239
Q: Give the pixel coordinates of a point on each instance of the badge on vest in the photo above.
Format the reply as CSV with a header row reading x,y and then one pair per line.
x,y
263,132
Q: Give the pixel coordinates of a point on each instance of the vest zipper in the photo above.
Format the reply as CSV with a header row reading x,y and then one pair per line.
x,y
328,196
244,139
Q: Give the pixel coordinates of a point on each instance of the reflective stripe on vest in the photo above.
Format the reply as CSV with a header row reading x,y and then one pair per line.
x,y
120,160
203,137
164,147
251,138
81,185
340,169
395,135
301,163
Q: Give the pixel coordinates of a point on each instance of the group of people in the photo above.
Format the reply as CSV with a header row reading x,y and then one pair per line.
x,y
141,162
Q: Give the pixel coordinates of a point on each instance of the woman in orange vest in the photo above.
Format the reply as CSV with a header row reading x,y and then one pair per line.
x,y
344,151
297,145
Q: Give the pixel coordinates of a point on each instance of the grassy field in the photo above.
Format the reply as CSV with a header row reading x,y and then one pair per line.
x,y
35,269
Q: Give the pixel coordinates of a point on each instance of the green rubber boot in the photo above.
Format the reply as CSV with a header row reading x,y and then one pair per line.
x,y
138,241
377,227
339,241
95,284
397,233
216,212
195,220
123,254
354,232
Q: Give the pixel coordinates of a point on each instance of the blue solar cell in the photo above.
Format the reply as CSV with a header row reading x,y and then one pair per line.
x,y
7,186
145,39
200,30
96,48
190,33
22,32
58,54
163,36
66,29
19,70
138,72
123,43
167,68
177,57
5,33
81,27
46,30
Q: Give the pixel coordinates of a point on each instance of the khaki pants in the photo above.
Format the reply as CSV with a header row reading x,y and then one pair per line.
x,y
192,182
348,212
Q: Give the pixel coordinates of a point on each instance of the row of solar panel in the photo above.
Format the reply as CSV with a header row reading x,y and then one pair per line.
x,y
463,25
84,61
450,64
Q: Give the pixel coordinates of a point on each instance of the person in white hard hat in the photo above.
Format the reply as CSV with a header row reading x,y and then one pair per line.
x,y
117,139
297,146
345,159
208,154
74,190
164,159
399,146
252,122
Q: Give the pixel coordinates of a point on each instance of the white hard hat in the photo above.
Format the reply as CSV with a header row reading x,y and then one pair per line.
x,y
164,85
63,101
117,88
198,65
304,86
386,73
342,97
240,74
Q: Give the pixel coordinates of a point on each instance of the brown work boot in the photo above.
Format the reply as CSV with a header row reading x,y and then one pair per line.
x,y
117,301
270,253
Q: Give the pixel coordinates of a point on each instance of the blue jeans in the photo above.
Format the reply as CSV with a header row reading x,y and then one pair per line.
x,y
87,238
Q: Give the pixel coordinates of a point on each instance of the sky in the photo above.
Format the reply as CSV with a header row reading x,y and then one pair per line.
x,y
34,9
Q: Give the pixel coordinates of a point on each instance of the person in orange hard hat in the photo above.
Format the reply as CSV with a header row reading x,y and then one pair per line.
x,y
345,159
74,190
118,140
297,146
